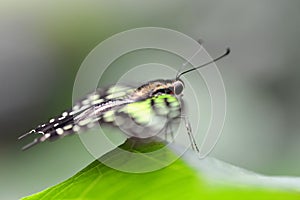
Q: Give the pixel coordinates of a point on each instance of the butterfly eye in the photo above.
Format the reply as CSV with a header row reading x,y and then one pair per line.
x,y
178,87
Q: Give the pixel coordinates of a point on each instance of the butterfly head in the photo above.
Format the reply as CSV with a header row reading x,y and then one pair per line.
x,y
174,87
177,87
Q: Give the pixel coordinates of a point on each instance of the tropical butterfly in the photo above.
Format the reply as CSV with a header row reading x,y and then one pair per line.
x,y
147,106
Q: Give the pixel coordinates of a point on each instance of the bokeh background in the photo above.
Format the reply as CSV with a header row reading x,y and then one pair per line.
x,y
42,44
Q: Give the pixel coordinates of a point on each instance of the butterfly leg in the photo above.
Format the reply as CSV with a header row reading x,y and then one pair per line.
x,y
190,134
133,142
169,131
170,128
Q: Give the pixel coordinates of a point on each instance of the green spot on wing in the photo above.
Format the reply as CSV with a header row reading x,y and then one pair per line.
x,y
159,100
141,111
109,116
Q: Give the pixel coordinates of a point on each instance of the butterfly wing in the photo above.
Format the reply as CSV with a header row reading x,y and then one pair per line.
x,y
83,115
145,118
111,106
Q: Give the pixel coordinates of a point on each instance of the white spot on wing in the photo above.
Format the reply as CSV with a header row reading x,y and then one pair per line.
x,y
45,137
116,88
67,127
51,120
65,114
73,112
85,102
84,122
76,107
61,118
76,128
94,97
59,131
116,95
98,101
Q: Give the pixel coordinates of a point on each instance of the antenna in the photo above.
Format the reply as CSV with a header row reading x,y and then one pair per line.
x,y
189,60
203,65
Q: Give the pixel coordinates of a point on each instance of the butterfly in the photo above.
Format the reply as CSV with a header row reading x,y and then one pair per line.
x,y
138,111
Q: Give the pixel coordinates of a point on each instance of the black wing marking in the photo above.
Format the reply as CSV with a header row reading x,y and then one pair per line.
x,y
83,115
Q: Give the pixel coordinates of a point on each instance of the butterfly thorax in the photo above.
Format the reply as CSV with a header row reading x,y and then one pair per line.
x,y
152,89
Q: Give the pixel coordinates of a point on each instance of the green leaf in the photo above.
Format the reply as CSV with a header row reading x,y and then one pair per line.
x,y
176,181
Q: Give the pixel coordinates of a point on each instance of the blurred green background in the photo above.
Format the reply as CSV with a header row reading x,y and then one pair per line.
x,y
43,44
